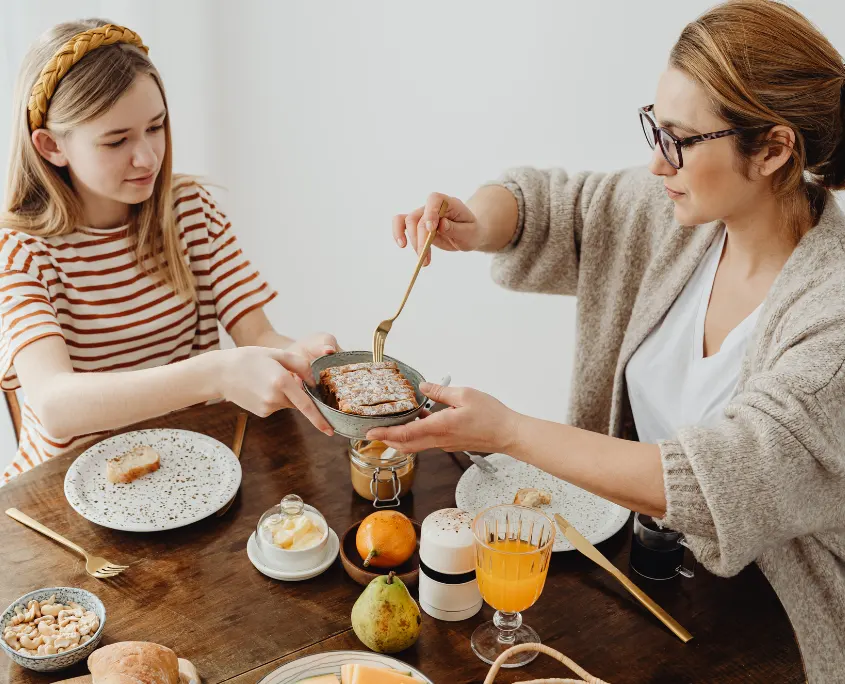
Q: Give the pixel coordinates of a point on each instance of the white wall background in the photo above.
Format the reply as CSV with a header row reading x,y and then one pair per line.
x,y
323,120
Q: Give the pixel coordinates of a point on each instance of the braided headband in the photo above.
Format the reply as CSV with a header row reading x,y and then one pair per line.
x,y
70,53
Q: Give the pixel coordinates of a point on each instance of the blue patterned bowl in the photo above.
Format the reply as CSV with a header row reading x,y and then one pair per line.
x,y
51,663
357,427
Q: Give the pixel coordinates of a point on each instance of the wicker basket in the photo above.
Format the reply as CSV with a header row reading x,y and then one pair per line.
x,y
585,677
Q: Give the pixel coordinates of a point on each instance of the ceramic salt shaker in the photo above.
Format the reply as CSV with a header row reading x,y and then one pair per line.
x,y
448,586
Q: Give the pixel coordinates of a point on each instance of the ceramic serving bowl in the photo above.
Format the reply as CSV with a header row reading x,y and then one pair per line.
x,y
408,572
59,661
356,427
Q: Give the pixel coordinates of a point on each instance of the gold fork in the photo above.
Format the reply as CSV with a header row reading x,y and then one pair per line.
x,y
380,334
94,565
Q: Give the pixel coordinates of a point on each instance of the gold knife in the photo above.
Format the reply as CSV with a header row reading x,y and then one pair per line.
x,y
237,443
597,557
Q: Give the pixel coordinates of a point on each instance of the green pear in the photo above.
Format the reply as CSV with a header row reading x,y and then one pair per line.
x,y
385,617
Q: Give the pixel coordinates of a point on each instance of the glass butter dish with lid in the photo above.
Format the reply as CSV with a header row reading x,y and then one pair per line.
x,y
292,535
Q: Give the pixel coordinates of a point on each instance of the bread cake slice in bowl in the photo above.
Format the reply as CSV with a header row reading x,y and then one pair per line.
x,y
373,395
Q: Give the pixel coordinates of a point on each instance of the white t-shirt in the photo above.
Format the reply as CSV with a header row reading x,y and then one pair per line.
x,y
670,383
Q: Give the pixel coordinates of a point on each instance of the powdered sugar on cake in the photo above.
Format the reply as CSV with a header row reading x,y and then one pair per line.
x,y
368,389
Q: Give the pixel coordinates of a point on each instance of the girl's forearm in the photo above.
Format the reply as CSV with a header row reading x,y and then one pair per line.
x,y
82,403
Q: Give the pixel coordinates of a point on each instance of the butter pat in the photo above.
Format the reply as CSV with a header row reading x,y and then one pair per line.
x,y
295,533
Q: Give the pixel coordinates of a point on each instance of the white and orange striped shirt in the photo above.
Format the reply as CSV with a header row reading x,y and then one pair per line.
x,y
88,287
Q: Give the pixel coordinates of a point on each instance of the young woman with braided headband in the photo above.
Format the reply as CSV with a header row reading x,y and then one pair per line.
x,y
709,381
114,273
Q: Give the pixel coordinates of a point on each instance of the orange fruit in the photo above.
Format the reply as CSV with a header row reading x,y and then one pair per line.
x,y
386,539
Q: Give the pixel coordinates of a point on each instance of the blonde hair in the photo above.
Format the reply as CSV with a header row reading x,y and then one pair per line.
x,y
763,63
40,200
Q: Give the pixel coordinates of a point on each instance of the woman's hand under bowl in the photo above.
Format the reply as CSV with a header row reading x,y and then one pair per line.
x,y
474,422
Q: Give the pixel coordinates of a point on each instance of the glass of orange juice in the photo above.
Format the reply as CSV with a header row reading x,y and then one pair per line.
x,y
513,548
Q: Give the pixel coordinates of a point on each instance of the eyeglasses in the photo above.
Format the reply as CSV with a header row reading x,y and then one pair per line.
x,y
671,145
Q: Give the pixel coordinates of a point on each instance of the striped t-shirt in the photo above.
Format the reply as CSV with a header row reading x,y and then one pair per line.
x,y
88,287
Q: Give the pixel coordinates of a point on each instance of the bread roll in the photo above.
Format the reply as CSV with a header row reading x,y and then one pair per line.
x,y
188,673
134,662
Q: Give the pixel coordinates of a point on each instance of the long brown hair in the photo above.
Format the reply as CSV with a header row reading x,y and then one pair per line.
x,y
763,63
40,200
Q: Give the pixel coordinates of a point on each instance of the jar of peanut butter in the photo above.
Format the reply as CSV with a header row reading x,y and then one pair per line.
x,y
380,477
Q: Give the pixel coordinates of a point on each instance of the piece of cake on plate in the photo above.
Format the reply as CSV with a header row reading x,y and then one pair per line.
x,y
532,497
135,463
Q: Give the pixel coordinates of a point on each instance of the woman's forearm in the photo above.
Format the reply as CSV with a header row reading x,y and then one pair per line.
x,y
82,403
496,210
627,473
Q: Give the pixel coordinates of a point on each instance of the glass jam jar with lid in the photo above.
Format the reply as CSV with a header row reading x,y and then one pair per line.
x,y
380,480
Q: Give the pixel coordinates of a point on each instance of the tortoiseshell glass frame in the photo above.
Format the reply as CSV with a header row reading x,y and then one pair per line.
x,y
680,143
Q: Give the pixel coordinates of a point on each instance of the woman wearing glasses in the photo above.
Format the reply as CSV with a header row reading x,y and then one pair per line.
x,y
709,383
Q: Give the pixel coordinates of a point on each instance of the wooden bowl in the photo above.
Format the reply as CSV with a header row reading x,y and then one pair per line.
x,y
408,572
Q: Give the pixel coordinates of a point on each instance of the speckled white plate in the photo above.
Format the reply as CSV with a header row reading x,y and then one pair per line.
x,y
198,475
330,663
595,518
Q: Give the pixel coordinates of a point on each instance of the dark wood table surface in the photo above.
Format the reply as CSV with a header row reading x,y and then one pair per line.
x,y
195,591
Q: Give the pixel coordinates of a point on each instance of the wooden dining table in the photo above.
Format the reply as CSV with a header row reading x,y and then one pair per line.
x,y
194,589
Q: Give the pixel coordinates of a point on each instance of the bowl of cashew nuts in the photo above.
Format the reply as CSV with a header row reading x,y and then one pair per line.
x,y
51,629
